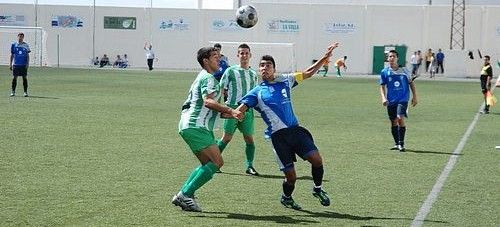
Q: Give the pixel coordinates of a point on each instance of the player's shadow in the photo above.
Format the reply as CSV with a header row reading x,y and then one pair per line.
x,y
430,152
268,176
335,215
284,219
42,97
281,219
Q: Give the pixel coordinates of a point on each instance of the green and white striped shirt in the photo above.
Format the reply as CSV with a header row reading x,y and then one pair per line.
x,y
238,82
194,113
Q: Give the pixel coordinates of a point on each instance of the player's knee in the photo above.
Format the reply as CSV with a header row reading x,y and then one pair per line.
x,y
484,90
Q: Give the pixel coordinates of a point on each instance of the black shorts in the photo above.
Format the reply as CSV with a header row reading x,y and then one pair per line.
x,y
19,70
398,110
288,142
484,83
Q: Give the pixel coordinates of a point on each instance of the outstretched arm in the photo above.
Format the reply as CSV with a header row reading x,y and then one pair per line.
x,y
315,67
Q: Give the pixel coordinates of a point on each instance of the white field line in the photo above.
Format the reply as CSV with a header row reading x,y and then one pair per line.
x,y
436,189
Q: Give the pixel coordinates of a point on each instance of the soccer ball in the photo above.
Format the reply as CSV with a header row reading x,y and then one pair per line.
x,y
246,16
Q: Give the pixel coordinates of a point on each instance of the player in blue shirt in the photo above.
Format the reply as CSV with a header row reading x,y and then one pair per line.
x,y
223,63
272,98
395,85
19,63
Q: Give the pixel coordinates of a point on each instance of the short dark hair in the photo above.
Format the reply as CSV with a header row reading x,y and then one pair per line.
x,y
394,52
244,45
20,33
204,53
217,45
268,58
487,57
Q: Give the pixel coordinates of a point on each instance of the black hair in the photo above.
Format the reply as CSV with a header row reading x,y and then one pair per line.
x,y
217,45
394,52
487,57
204,53
268,58
244,45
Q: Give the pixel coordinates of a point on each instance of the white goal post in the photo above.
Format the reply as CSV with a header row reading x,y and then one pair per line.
x,y
283,54
36,38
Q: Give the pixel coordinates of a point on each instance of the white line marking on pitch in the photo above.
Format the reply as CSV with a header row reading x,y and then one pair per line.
x,y
436,189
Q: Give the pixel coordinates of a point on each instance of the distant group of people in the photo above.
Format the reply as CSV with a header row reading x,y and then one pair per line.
x,y
433,62
120,62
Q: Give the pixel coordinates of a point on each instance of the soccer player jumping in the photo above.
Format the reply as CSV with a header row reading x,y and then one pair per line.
x,y
272,99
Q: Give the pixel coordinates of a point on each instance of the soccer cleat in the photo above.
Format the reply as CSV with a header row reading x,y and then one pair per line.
x,y
26,94
186,203
322,196
252,171
401,148
396,147
289,203
12,94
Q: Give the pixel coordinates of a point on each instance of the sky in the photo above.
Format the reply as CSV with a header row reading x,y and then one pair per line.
x,y
228,4
207,4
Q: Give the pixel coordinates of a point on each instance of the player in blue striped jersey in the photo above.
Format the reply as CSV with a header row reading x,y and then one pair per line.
x,y
272,99
395,85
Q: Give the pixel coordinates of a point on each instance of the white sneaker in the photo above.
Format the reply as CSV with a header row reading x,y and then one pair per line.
x,y
186,203
25,94
12,94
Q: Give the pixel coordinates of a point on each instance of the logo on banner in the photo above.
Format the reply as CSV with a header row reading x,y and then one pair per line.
x,y
120,22
66,22
12,20
340,27
279,25
175,24
227,25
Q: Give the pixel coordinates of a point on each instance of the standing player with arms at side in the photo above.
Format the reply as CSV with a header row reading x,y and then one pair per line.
x,y
272,98
199,113
486,76
396,96
19,63
236,81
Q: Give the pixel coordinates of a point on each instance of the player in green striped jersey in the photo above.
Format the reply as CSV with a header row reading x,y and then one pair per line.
x,y
199,114
236,81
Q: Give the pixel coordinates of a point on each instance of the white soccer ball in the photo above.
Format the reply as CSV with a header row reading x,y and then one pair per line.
x,y
246,16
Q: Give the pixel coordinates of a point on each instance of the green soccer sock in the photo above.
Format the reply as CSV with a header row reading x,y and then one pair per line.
x,y
250,153
204,174
193,174
221,145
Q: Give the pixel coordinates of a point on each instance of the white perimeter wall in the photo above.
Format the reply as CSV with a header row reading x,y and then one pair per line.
x,y
418,27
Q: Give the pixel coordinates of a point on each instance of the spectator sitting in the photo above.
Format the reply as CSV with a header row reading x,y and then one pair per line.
x,y
118,62
124,63
104,61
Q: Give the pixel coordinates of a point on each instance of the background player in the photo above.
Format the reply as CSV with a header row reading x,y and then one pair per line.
x,y
236,81
19,63
395,97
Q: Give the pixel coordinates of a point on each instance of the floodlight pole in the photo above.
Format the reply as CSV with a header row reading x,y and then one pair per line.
x,y
457,37
93,32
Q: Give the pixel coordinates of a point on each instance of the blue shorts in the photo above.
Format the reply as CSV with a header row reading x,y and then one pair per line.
x,y
397,110
289,142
